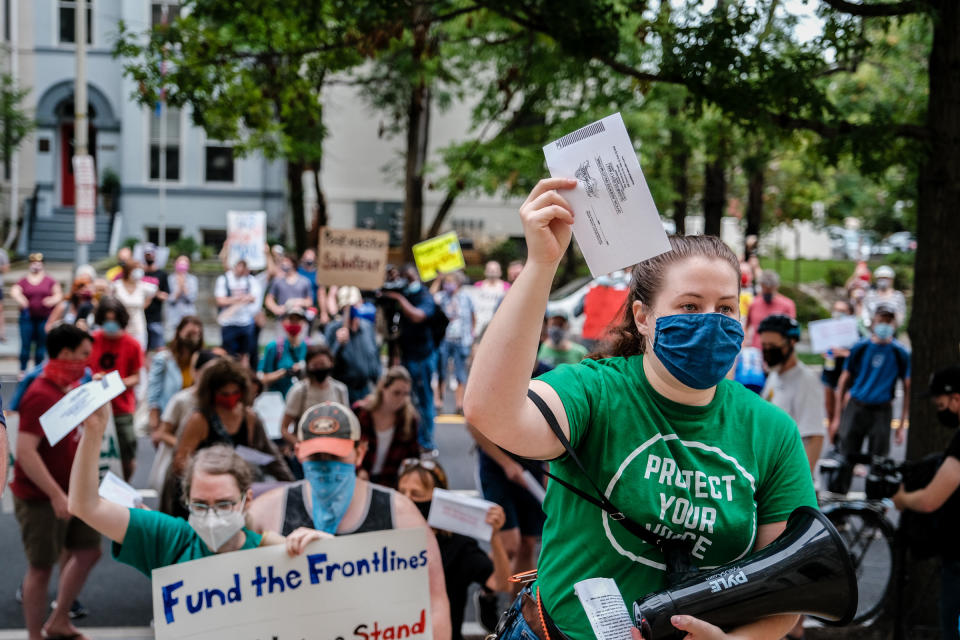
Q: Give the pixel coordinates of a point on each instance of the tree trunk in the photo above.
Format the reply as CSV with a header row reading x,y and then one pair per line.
x,y
418,135
935,343
295,186
452,194
755,182
320,219
714,191
679,164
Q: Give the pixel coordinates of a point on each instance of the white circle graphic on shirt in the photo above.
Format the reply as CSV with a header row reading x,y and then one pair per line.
x,y
693,444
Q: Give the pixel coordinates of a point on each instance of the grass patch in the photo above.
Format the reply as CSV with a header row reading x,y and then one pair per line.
x,y
810,358
810,270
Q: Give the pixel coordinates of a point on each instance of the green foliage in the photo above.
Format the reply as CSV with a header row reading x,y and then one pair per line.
x,y
808,307
506,251
207,252
15,122
184,246
836,276
130,242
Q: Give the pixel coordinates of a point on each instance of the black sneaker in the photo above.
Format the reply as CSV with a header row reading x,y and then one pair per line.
x,y
76,612
488,609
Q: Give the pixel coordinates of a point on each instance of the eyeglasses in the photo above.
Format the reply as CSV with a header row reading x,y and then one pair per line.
x,y
429,466
221,508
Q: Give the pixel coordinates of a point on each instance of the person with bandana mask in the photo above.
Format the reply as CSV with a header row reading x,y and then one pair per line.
x,y
331,498
791,385
464,562
769,302
353,343
683,452
883,293
559,348
217,486
40,483
37,294
870,373
317,386
942,494
283,360
224,417
116,350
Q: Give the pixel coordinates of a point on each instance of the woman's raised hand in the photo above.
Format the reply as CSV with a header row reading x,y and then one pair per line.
x,y
546,218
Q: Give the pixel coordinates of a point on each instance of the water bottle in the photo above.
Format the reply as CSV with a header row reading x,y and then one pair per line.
x,y
829,363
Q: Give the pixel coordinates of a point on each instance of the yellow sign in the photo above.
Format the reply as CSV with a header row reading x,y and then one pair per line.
x,y
438,255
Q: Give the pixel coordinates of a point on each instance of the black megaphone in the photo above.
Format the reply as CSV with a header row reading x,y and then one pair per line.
x,y
807,569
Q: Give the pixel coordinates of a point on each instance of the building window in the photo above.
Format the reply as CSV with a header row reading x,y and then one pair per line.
x,y
156,13
171,235
170,142
218,165
213,238
6,20
68,16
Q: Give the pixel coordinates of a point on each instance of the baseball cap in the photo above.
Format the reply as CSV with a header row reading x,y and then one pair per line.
x,y
295,310
944,381
884,272
328,427
149,247
885,307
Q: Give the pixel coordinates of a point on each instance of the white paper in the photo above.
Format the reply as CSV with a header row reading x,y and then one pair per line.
x,y
834,333
247,233
533,486
451,511
78,405
253,456
115,490
616,222
605,608
270,406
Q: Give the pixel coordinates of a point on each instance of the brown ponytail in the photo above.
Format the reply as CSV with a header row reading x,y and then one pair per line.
x,y
647,281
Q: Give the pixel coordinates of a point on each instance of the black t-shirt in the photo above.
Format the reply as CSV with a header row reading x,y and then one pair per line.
x,y
464,562
154,312
950,511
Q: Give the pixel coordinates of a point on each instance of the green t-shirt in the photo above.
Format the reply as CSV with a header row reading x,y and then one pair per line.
x,y
554,356
157,540
712,473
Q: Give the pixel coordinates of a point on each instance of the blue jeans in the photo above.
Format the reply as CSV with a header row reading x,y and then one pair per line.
x,y
459,354
950,599
236,339
422,371
514,626
32,330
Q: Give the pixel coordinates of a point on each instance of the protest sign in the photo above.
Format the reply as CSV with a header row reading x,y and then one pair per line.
x,y
356,257
452,511
78,405
270,406
110,461
247,235
833,333
368,586
438,255
616,222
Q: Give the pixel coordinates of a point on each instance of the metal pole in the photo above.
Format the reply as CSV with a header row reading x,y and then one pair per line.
x,y
80,125
14,160
162,192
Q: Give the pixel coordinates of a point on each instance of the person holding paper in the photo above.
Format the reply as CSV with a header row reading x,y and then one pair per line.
x,y
833,362
333,498
283,360
683,453
40,481
464,562
217,485
388,424
116,350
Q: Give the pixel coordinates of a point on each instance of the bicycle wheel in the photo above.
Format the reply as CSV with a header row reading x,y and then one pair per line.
x,y
869,539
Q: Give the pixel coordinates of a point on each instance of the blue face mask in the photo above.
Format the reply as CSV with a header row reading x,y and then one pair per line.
x,y
698,349
883,331
111,328
331,485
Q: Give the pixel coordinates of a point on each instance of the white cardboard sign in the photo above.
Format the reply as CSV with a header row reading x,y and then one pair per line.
x,y
833,333
78,405
452,511
616,222
368,585
270,406
247,233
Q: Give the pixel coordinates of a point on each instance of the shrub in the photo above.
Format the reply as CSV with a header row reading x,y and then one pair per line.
x,y
836,276
185,246
808,307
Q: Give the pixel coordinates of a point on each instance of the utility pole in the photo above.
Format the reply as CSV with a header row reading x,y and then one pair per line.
x,y
80,124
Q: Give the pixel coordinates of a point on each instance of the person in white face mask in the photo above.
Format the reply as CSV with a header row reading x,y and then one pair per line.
x,y
883,294
217,485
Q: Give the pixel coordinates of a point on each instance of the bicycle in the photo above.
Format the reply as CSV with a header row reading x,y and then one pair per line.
x,y
864,526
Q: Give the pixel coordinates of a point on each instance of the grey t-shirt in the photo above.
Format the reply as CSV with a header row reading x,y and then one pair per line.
x,y
304,395
281,290
799,392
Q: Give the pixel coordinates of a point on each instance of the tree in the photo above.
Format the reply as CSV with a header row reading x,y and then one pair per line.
x,y
15,125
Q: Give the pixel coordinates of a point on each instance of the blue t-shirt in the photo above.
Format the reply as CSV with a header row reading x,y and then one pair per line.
x,y
289,356
311,275
874,369
416,338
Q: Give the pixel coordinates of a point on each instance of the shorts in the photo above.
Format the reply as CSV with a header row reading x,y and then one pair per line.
x,y
126,436
45,536
521,508
154,336
459,354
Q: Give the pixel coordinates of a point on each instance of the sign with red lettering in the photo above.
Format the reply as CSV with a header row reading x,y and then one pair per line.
x,y
368,586
356,257
85,181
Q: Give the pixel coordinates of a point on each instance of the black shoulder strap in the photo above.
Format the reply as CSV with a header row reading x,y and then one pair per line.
x,y
601,499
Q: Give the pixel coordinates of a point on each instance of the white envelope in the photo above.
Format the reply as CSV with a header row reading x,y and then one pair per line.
x,y
78,405
451,511
115,490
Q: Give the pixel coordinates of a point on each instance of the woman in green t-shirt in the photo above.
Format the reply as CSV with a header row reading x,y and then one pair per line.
x,y
217,482
679,449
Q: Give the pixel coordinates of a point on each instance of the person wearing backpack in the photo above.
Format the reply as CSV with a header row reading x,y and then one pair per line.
x,y
659,463
942,495
283,360
418,349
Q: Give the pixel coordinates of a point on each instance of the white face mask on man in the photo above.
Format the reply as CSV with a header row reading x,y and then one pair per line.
x,y
214,528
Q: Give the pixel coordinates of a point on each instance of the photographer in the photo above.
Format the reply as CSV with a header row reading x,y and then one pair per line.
x,y
941,494
684,453
418,353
